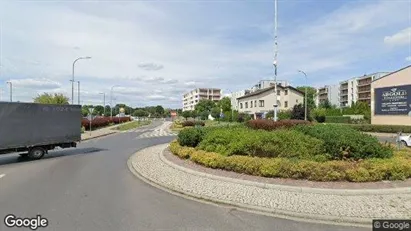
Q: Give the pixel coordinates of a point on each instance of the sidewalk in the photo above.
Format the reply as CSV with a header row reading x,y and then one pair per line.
x,y
87,135
336,206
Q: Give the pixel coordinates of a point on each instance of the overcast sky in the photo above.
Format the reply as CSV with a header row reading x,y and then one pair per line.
x,y
155,51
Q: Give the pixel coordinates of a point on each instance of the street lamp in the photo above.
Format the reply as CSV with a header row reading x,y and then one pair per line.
x,y
11,90
104,101
111,100
78,89
72,79
305,96
275,60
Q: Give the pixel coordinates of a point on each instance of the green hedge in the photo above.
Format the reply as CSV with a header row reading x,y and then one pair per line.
x,y
381,128
343,142
337,119
244,141
396,168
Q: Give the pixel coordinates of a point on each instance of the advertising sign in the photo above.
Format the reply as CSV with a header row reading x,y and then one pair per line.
x,y
393,100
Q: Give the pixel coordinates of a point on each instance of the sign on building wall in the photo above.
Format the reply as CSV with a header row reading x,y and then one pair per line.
x,y
392,100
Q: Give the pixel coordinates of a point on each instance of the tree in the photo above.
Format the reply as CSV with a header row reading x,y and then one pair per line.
x,y
194,114
311,93
225,104
298,112
215,112
98,110
140,113
108,111
326,104
159,109
186,114
56,98
204,115
205,105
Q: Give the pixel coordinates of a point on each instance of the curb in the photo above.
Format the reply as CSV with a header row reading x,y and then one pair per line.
x,y
344,192
304,217
94,137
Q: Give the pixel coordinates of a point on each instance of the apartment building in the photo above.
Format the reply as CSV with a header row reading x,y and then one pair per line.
x,y
233,96
262,84
328,92
364,86
347,92
259,102
192,98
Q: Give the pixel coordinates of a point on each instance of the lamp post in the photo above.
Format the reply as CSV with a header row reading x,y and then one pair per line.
x,y
305,96
11,90
111,100
275,60
72,79
78,89
104,102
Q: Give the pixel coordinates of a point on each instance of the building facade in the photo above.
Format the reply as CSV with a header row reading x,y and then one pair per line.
x,y
391,98
192,98
263,84
347,92
328,92
233,96
262,101
364,86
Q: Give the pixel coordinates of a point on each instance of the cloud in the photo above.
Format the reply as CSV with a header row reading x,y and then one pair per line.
x,y
43,84
157,97
403,37
151,66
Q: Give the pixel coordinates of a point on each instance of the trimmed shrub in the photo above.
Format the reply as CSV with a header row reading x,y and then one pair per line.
x,y
343,142
270,125
188,123
338,119
190,137
243,141
396,168
381,128
283,115
199,123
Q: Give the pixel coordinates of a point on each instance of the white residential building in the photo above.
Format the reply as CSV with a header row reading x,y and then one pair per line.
x,y
192,98
348,92
262,84
328,92
262,101
234,95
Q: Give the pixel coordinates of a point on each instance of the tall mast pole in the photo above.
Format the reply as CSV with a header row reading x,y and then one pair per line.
x,y
275,60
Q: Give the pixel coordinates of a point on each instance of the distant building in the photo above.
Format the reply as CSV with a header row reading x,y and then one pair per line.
x,y
233,96
262,84
348,92
192,98
328,92
261,101
391,98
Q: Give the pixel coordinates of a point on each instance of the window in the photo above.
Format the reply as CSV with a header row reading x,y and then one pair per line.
x,y
296,100
251,104
286,92
261,103
255,103
278,92
285,103
246,104
241,105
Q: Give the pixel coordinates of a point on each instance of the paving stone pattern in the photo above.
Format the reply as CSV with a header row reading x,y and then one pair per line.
x,y
149,164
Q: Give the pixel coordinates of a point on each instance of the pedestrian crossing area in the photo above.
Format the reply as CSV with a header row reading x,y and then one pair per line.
x,y
160,131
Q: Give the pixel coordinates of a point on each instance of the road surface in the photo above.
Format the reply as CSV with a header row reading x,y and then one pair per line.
x,y
90,188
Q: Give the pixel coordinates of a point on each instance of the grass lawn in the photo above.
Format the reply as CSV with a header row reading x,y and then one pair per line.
x,y
132,125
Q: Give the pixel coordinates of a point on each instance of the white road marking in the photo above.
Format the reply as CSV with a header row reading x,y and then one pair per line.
x,y
2,175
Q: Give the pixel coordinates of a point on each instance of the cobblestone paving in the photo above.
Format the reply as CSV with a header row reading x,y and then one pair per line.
x,y
162,130
149,165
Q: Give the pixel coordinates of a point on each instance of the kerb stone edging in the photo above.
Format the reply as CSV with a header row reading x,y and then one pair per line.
x,y
352,192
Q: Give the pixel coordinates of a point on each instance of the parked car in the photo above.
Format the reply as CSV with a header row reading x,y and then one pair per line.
x,y
406,140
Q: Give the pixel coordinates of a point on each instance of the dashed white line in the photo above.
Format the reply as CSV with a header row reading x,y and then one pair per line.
x,y
2,175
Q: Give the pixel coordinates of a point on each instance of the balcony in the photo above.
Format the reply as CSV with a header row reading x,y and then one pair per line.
x,y
364,90
343,93
363,83
364,96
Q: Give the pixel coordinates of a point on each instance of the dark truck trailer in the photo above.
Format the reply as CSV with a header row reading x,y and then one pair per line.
x,y
38,128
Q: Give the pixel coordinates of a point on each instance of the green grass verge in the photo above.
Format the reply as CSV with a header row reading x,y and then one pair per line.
x,y
132,125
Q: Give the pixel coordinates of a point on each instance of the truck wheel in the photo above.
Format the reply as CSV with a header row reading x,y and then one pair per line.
x,y
36,153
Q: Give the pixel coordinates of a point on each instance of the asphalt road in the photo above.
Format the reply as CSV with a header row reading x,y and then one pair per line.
x,y
90,188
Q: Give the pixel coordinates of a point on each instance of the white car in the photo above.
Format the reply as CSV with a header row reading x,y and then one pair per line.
x,y
406,140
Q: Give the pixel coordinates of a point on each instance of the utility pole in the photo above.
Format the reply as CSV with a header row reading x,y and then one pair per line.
x,y
72,77
104,101
11,90
275,60
305,96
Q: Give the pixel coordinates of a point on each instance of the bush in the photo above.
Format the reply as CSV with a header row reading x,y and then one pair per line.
x,y
284,115
188,123
396,168
343,142
243,141
298,112
270,125
338,119
242,117
199,123
381,128
190,137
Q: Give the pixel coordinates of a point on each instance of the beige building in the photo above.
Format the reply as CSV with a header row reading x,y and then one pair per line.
x,y
364,86
192,98
261,101
391,98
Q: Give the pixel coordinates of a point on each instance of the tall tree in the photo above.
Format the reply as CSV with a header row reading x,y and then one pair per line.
x,y
159,109
311,93
186,114
326,104
225,104
205,105
55,98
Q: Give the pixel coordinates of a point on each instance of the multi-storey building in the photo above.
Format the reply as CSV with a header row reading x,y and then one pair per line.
x,y
262,101
328,92
364,86
192,98
235,95
262,84
347,92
